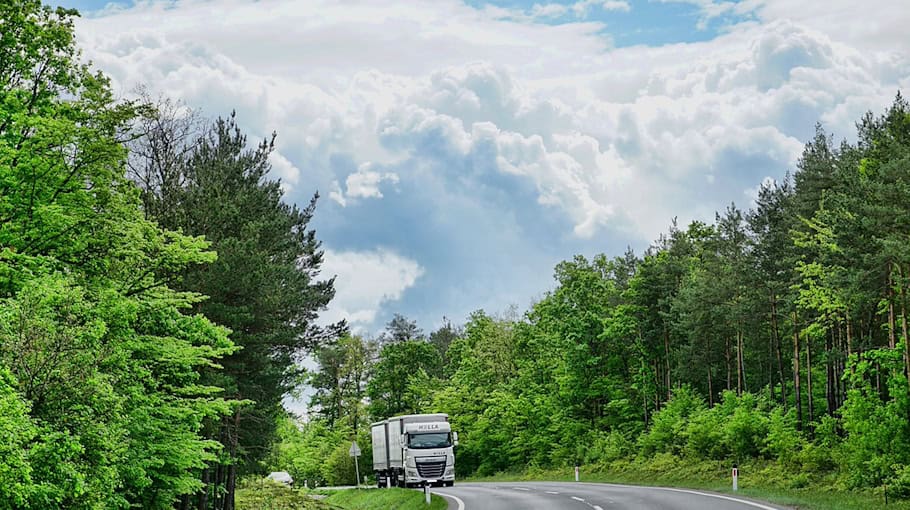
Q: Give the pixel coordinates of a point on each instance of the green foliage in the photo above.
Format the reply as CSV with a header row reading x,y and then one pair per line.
x,y
270,495
16,433
784,442
340,381
101,361
389,388
608,447
317,453
669,426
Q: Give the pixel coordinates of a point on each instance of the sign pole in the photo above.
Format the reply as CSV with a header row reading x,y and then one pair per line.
x,y
357,467
355,452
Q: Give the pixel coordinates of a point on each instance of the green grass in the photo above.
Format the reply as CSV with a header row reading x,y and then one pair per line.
x,y
264,495
757,481
384,499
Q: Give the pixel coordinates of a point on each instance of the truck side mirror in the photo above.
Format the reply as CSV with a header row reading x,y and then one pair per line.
x,y
404,440
455,438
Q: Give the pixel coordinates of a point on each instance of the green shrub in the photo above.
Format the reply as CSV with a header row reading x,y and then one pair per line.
x,y
898,485
667,432
705,436
783,441
607,447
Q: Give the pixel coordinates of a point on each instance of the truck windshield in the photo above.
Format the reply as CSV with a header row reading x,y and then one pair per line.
x,y
429,440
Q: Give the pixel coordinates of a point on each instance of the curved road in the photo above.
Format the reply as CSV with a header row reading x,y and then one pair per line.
x,y
588,496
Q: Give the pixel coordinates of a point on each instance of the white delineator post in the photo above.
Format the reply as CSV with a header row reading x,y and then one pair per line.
x,y
735,479
426,492
576,473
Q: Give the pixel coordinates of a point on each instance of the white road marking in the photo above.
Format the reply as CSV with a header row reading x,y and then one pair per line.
x,y
576,498
521,488
458,500
718,496
552,492
595,507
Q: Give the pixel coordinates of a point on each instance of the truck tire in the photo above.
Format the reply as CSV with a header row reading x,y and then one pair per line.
x,y
449,484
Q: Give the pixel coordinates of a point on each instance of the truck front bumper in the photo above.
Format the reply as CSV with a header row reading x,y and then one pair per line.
x,y
412,476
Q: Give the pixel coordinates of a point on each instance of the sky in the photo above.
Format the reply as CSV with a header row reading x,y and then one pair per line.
x,y
462,148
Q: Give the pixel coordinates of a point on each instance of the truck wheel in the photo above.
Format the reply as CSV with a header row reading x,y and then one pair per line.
x,y
449,484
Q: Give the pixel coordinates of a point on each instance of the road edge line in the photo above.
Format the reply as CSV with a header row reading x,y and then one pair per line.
x,y
450,496
719,496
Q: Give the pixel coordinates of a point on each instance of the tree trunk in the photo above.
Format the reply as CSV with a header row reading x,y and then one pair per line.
x,y
710,388
809,379
904,322
849,335
219,479
771,389
644,396
739,363
840,365
231,481
727,356
796,375
667,359
892,341
204,495
830,391
657,383
780,359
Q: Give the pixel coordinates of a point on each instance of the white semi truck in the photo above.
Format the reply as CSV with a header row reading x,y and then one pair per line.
x,y
414,450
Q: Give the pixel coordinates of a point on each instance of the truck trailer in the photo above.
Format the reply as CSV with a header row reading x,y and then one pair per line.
x,y
414,450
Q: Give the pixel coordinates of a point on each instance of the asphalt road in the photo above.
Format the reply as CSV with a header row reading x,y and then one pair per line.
x,y
588,496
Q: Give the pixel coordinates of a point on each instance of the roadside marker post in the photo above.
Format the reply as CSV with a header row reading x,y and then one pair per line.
x,y
576,473
426,492
735,479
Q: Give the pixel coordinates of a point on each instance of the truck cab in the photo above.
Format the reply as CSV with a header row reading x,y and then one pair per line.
x,y
414,450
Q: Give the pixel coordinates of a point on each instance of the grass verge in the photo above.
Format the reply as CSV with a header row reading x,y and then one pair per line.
x,y
384,499
756,481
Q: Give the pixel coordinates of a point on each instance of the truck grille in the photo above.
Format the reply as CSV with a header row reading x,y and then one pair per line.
x,y
431,469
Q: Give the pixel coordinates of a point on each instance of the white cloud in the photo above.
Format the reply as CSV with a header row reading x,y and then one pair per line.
x,y
283,169
579,9
365,281
364,96
364,183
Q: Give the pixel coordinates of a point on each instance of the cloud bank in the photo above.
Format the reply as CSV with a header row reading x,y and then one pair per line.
x,y
463,150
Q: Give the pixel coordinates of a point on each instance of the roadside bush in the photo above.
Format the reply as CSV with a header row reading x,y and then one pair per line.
x,y
745,430
898,486
783,441
607,447
668,429
705,436
877,432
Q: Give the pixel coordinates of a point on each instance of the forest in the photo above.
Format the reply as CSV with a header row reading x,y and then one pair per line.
x,y
159,296
774,336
